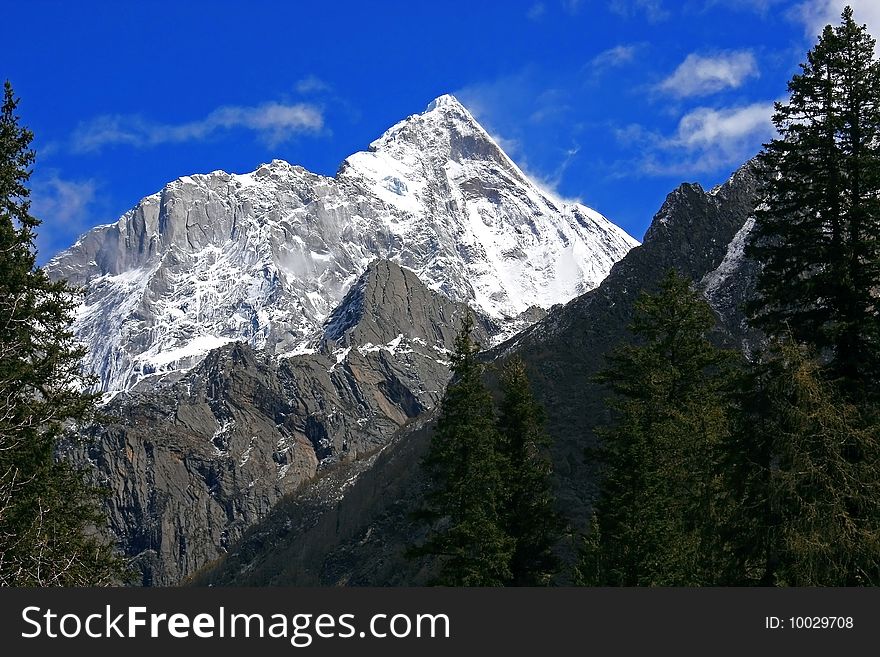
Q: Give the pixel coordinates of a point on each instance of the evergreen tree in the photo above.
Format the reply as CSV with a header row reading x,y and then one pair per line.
x,y
817,234
48,514
465,500
660,499
805,466
804,462
531,516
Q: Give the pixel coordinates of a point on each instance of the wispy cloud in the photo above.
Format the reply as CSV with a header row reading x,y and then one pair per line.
x,y
512,101
550,182
702,75
61,201
616,56
551,103
705,140
536,11
572,6
758,6
272,122
816,14
516,108
508,96
653,10
311,84
66,208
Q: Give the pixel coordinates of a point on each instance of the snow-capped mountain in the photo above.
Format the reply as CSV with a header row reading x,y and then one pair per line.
x,y
265,257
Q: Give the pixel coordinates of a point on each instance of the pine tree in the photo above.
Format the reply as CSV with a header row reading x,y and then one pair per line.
x,y
660,499
804,463
805,467
48,513
817,233
531,516
466,496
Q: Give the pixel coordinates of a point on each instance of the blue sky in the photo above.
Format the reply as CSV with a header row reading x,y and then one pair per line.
x,y
612,102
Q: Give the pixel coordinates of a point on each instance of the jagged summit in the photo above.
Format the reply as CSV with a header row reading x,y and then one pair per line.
x,y
265,257
444,112
445,100
432,143
445,118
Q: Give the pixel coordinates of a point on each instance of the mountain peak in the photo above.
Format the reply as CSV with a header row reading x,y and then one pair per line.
x,y
446,101
443,123
265,257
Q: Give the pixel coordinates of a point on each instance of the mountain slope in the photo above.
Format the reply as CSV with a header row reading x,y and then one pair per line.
x,y
192,464
695,232
692,233
264,257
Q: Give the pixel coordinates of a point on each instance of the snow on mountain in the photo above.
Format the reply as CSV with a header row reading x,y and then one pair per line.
x,y
265,257
714,282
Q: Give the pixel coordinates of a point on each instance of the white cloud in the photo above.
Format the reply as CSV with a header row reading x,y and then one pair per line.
x,y
816,14
700,75
273,122
615,56
724,129
652,9
571,6
536,11
705,140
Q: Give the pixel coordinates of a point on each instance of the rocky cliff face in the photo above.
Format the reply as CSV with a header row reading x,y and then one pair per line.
x,y
265,257
192,464
189,469
697,232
